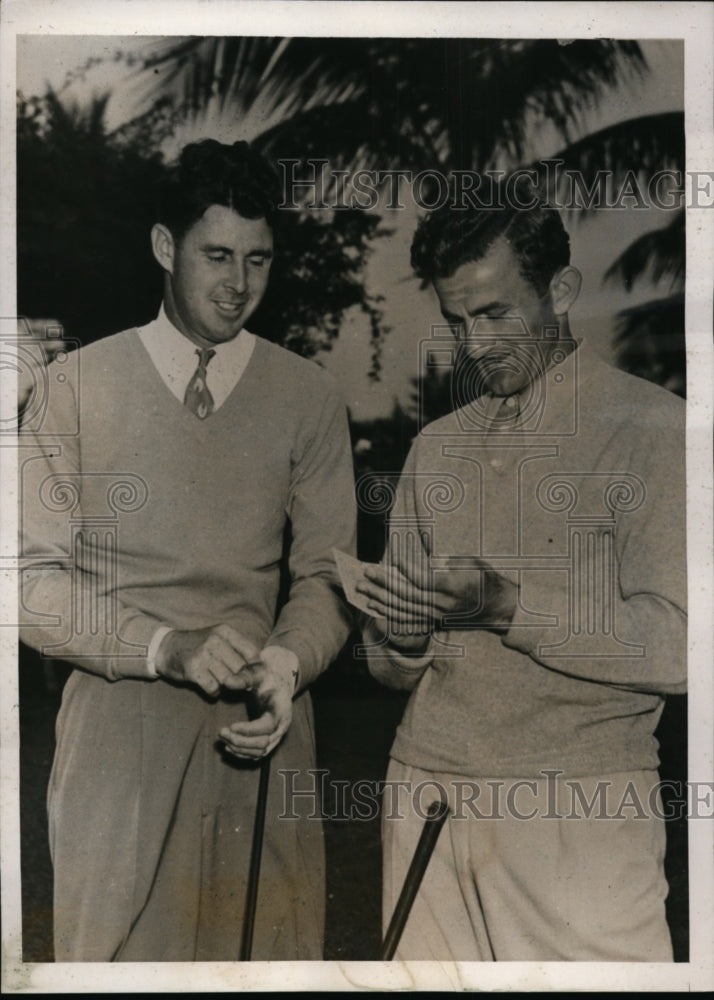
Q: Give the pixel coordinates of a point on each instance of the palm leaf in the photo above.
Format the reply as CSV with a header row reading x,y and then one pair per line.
x,y
650,342
474,100
349,137
515,84
639,146
660,251
294,73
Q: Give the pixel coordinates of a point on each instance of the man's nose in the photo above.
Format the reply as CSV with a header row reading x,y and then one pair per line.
x,y
236,279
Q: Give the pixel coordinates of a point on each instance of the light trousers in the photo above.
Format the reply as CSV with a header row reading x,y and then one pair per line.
x,y
510,881
151,829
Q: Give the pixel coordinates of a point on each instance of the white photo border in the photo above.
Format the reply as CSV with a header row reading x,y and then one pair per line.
x,y
692,22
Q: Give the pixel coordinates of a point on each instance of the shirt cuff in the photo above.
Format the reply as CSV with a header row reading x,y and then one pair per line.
x,y
287,661
154,648
374,636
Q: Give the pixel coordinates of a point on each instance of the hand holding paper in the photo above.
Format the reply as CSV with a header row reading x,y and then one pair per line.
x,y
351,573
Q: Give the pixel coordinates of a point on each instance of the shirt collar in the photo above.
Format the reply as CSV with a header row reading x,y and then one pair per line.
x,y
176,343
174,357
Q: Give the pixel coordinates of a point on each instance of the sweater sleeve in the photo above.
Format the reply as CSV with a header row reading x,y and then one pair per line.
x,y
634,634
393,667
390,666
66,607
315,621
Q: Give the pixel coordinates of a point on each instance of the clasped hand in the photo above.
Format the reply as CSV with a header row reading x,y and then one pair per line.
x,y
415,599
220,657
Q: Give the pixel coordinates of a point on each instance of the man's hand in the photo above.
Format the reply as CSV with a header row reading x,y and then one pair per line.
x,y
415,601
271,681
211,658
400,619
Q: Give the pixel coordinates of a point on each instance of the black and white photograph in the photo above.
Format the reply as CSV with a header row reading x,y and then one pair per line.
x,y
357,403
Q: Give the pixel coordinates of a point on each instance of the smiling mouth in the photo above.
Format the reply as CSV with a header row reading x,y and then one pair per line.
x,y
230,308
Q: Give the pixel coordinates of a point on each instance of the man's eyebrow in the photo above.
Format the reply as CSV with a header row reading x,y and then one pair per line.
x,y
480,311
217,248
487,309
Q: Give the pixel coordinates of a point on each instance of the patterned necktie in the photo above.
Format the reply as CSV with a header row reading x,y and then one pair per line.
x,y
198,397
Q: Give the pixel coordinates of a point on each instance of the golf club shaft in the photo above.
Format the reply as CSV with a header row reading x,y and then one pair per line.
x,y
256,708
435,819
255,856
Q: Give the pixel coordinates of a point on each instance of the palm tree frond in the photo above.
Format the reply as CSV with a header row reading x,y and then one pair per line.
x,y
660,251
516,81
483,94
592,171
650,342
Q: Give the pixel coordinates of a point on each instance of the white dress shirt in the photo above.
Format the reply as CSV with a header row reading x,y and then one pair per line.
x,y
174,357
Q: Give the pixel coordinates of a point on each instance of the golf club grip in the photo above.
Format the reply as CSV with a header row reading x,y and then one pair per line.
x,y
435,819
255,856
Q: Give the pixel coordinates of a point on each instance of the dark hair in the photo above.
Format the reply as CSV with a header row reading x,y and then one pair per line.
x,y
211,173
449,237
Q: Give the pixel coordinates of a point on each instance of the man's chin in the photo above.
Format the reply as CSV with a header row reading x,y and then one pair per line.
x,y
510,374
500,386
477,378
498,372
223,333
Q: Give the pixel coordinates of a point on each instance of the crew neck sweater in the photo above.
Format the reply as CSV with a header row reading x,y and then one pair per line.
x,y
577,683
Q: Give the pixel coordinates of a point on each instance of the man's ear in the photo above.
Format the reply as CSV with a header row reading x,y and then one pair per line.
x,y
564,289
162,243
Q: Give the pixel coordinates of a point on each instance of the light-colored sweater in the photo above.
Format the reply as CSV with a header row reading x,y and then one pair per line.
x,y
584,508
135,514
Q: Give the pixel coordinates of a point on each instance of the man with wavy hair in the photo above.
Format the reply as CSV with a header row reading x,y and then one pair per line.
x,y
166,482
535,606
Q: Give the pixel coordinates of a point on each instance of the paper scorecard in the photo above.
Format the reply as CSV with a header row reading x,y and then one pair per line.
x,y
351,573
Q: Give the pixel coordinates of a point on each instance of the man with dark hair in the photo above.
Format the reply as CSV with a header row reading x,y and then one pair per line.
x,y
210,173
533,597
165,483
447,239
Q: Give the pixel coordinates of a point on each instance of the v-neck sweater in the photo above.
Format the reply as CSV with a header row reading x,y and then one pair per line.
x,y
179,521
